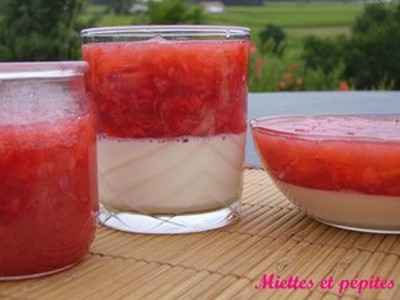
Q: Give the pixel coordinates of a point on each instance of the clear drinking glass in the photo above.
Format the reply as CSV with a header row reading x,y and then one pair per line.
x,y
171,103
48,182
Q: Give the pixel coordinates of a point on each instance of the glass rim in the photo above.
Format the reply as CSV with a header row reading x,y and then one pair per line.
x,y
42,70
255,126
207,32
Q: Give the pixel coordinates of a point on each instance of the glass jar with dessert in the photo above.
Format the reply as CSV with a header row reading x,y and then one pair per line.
x,y
48,182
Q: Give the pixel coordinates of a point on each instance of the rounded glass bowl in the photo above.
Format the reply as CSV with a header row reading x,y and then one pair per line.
x,y
343,170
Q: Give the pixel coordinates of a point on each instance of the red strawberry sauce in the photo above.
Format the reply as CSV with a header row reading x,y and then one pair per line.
x,y
160,89
48,192
357,153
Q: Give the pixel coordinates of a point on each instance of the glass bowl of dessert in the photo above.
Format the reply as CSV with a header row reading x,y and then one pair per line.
x,y
48,182
171,104
342,170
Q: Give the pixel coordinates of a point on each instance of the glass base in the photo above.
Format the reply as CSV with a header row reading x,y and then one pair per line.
x,y
170,224
359,229
36,275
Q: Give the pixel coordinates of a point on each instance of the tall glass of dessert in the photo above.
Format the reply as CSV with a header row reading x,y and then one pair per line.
x,y
171,104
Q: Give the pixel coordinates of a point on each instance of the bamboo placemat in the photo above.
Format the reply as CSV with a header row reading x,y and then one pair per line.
x,y
273,237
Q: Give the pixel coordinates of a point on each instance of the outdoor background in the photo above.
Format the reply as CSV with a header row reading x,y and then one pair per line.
x,y
299,45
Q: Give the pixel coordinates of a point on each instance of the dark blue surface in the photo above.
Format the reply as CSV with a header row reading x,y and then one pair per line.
x,y
308,103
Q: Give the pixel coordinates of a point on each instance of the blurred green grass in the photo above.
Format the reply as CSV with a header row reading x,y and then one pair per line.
x,y
290,15
298,19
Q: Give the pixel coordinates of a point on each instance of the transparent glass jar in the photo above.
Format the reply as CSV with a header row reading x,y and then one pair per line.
x,y
48,181
172,104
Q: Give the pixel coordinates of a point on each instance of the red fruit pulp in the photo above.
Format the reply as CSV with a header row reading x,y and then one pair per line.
x,y
357,153
161,89
48,193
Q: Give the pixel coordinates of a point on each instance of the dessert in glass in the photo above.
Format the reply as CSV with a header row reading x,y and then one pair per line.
x,y
171,104
48,182
343,170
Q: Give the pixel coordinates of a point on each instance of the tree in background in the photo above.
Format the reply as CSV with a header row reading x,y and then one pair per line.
x,y
2,6
175,12
369,58
121,7
323,54
32,30
372,57
273,38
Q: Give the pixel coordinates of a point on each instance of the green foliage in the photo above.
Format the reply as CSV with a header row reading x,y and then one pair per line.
x,y
307,18
3,4
269,72
323,54
318,80
323,62
372,58
373,14
175,12
40,30
121,7
273,39
264,73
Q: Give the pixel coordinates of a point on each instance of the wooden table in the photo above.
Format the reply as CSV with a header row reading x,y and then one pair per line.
x,y
272,237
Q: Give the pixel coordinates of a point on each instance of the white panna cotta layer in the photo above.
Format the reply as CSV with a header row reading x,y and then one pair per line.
x,y
346,208
170,176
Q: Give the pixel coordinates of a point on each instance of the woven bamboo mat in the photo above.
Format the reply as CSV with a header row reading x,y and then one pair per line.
x,y
273,237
